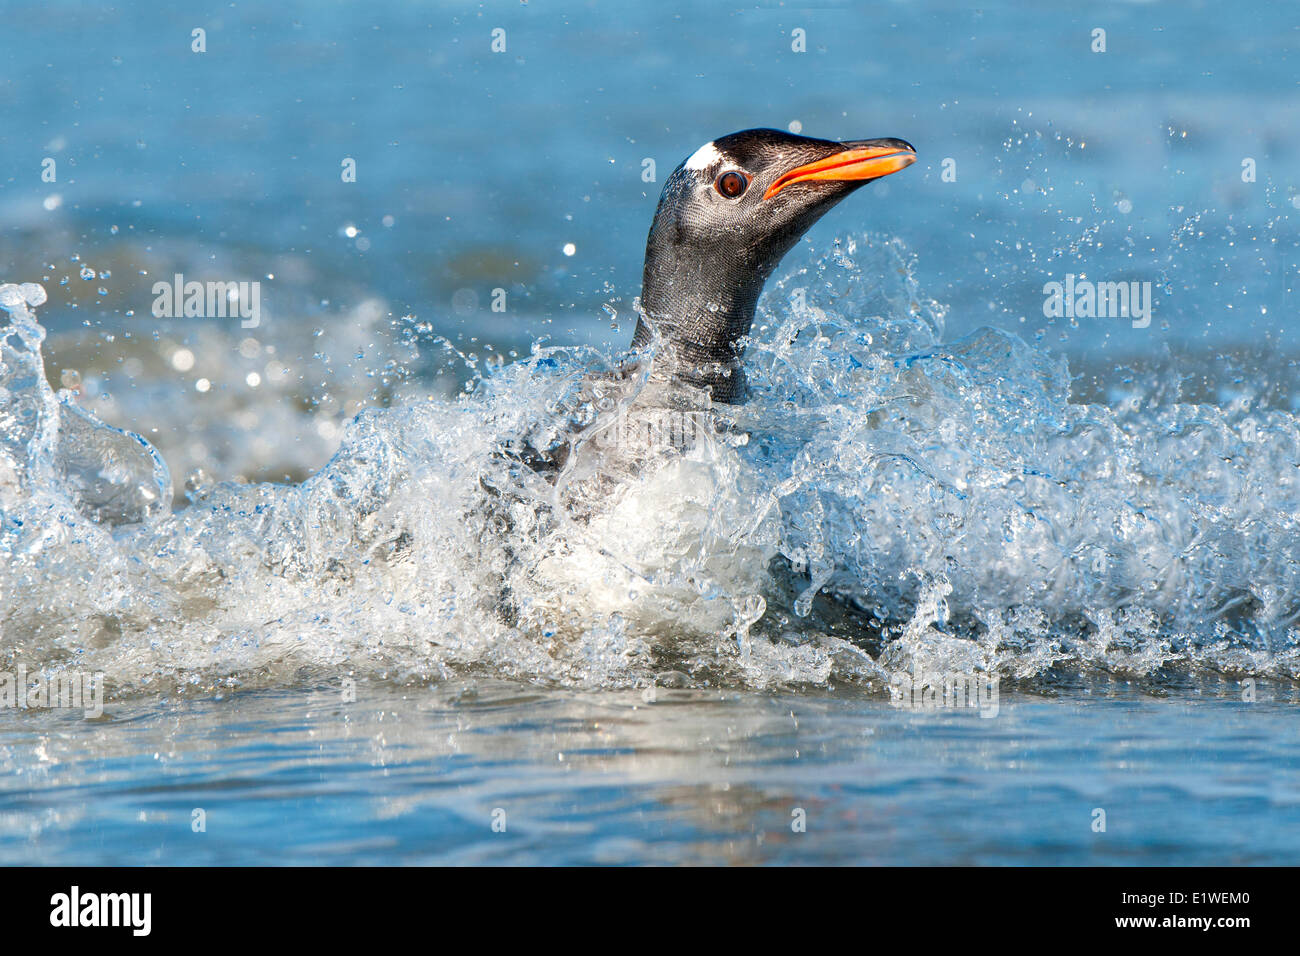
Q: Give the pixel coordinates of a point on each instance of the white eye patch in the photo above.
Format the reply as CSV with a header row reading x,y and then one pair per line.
x,y
703,158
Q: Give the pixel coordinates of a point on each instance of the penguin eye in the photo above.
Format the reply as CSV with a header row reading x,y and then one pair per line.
x,y
731,184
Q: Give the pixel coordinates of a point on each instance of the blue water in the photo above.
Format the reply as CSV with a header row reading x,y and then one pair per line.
x,y
1102,517
717,778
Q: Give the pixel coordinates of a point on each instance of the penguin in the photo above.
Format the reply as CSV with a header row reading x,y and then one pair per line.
x,y
726,217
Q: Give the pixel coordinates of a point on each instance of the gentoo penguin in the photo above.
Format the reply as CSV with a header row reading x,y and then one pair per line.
x,y
726,217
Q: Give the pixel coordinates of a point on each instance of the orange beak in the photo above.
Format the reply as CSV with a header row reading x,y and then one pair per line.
x,y
859,162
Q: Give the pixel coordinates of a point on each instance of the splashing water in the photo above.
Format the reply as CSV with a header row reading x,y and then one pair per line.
x,y
882,503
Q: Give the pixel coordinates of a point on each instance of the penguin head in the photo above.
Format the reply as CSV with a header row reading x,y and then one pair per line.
x,y
725,218
756,192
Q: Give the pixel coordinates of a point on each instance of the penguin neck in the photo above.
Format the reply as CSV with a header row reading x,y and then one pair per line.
x,y
701,310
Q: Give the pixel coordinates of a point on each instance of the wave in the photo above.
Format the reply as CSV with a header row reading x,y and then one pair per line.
x,y
884,503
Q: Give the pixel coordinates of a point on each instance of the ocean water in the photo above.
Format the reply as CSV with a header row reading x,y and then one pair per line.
x,y
960,583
